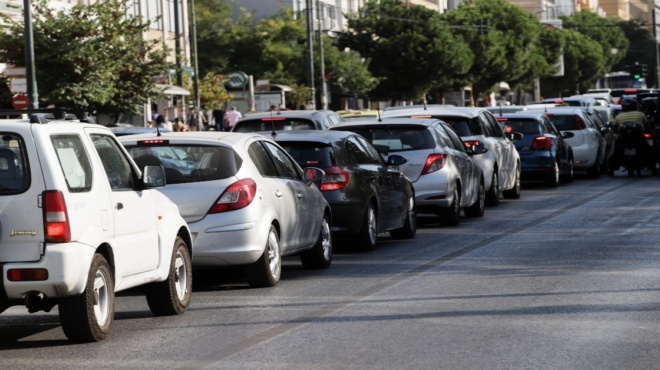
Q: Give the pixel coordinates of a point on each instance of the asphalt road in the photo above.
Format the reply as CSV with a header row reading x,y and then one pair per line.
x,y
563,278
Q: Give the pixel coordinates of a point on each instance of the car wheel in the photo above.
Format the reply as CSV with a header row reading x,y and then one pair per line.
x,y
366,239
477,209
493,194
266,271
172,296
451,216
88,317
409,228
320,256
514,193
553,177
569,176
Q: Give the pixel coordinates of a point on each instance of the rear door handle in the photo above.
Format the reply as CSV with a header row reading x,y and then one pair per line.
x,y
278,194
299,195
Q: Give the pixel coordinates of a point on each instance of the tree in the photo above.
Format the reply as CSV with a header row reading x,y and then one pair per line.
x,y
408,49
212,93
505,40
641,42
90,56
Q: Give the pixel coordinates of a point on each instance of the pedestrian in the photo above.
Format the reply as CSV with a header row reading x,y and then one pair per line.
x,y
179,126
218,119
232,117
195,121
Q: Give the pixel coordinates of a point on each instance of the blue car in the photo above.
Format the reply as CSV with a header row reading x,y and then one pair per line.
x,y
544,155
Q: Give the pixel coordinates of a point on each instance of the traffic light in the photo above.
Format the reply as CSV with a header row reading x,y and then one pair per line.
x,y
636,71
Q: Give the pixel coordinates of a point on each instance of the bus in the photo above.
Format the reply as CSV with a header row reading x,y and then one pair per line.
x,y
620,80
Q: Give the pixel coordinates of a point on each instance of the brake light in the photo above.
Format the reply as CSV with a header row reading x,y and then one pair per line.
x,y
501,119
630,90
56,218
237,195
580,122
335,178
153,142
27,275
541,142
558,101
469,143
273,119
434,162
647,136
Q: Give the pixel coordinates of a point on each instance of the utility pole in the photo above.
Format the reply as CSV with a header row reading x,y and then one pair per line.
x,y
324,88
193,36
177,43
656,54
310,50
33,96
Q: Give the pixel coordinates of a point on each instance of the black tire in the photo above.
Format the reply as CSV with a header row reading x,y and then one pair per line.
x,y
172,295
368,235
451,216
88,317
569,176
320,256
266,271
553,177
514,192
493,193
478,208
409,228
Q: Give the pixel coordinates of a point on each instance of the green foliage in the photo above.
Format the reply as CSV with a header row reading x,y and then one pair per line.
x,y
409,49
511,49
641,43
91,56
212,93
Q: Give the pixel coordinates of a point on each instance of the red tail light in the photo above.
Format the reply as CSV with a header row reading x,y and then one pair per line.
x,y
237,195
580,123
647,135
335,178
434,162
541,142
56,218
469,143
501,119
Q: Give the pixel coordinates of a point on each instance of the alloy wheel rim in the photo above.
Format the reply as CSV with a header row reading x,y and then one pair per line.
x,y
180,276
372,224
101,298
274,256
326,240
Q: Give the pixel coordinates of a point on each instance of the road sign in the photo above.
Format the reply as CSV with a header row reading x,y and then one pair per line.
x,y
20,102
236,80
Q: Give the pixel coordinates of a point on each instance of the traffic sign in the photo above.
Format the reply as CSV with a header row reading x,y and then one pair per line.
x,y
236,80
20,102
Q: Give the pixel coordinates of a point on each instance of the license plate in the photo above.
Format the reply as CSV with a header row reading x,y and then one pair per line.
x,y
630,151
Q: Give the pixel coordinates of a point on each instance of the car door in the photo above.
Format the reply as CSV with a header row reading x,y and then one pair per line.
x,y
507,151
306,219
550,131
135,241
469,170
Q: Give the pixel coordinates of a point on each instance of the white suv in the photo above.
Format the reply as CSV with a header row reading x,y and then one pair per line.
x,y
79,221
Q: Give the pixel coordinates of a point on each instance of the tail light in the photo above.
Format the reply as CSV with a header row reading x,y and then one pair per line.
x,y
237,195
541,142
434,162
647,136
335,178
56,217
580,122
469,143
501,119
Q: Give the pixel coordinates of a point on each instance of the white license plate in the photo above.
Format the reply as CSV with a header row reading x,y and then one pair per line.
x,y
630,151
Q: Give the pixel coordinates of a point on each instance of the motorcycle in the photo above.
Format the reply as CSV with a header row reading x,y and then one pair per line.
x,y
632,140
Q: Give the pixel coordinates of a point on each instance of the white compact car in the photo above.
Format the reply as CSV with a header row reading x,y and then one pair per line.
x,y
80,221
245,199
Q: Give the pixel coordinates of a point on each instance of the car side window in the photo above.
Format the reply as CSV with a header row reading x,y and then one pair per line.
x,y
117,167
485,125
458,143
74,162
443,137
549,127
357,153
286,167
262,160
494,128
370,150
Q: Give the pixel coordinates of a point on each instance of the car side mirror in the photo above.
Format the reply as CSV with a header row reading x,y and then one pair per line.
x,y
153,176
515,136
567,134
396,160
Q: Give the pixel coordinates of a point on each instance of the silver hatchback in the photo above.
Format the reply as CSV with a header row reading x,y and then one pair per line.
x,y
245,199
444,174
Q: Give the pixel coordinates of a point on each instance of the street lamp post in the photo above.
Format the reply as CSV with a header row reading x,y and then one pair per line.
x,y
310,50
33,96
193,36
324,88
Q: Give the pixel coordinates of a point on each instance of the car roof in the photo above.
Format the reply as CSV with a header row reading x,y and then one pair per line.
x,y
205,137
133,130
414,106
469,112
535,114
564,110
392,121
321,136
286,114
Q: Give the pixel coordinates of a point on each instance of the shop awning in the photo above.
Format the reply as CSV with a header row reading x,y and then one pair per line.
x,y
172,90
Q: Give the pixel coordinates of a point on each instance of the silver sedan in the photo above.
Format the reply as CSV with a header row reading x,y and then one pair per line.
x,y
246,201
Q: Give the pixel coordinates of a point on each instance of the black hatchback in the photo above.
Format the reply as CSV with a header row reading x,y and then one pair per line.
x,y
366,195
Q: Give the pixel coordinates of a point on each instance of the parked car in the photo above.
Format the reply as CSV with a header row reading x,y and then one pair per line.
x,y
80,221
366,196
478,127
288,120
589,145
573,101
445,176
358,113
503,109
246,201
134,130
544,154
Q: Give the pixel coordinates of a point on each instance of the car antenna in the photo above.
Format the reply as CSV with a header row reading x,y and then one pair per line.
x,y
500,105
378,111
272,123
424,104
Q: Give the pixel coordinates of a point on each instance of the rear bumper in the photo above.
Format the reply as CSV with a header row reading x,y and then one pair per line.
x,y
536,166
68,268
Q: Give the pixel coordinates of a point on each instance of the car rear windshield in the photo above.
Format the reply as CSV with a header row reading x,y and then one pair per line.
x,y
14,174
524,126
398,139
188,163
275,123
310,154
565,122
